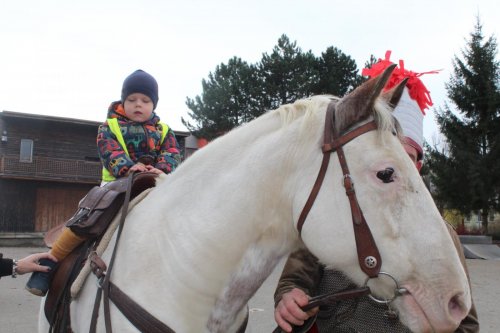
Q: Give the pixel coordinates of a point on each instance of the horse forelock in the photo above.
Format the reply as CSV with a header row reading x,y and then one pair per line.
x,y
384,118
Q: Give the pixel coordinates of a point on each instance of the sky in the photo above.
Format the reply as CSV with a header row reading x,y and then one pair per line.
x,y
69,58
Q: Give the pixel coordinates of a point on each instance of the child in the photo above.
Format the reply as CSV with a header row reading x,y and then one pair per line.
x,y
131,139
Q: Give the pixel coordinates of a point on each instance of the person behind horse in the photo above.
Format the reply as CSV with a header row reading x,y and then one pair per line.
x,y
133,139
303,275
28,264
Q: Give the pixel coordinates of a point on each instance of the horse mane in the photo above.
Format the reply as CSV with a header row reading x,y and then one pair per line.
x,y
310,112
306,107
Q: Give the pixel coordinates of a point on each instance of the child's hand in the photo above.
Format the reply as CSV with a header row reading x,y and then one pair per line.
x,y
139,167
154,170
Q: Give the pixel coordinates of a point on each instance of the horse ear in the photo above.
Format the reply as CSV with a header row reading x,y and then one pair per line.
x,y
394,95
358,105
380,82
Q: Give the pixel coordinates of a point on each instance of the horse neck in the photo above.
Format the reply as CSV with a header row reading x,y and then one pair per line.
x,y
232,195
223,213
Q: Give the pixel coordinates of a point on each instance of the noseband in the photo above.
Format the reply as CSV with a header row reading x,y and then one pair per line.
x,y
368,255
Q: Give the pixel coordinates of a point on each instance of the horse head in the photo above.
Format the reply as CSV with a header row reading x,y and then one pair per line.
x,y
413,251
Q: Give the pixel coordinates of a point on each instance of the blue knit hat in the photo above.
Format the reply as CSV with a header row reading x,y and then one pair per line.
x,y
140,82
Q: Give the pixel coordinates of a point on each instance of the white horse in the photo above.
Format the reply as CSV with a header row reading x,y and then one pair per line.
x,y
206,237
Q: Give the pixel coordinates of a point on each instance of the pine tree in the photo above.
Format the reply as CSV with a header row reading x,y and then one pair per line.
x,y
337,72
288,73
466,171
228,100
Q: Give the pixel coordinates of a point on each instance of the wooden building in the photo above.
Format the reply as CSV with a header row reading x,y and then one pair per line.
x,y
47,164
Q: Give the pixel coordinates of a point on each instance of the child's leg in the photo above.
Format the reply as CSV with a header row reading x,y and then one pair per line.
x,y
65,243
39,282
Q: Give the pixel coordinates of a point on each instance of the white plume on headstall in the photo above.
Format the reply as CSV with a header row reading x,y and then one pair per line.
x,y
411,119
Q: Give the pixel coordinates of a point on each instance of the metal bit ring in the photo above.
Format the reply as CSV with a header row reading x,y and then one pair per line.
x,y
398,291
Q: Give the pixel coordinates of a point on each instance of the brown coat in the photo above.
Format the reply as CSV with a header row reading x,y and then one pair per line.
x,y
303,271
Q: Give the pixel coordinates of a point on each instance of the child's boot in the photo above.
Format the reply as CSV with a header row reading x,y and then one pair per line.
x,y
39,282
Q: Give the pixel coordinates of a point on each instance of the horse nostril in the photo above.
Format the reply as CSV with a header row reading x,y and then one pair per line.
x,y
457,308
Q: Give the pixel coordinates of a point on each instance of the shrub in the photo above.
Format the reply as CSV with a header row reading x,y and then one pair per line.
x,y
494,231
463,230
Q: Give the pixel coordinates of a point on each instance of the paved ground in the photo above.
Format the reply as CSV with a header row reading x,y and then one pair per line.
x,y
19,310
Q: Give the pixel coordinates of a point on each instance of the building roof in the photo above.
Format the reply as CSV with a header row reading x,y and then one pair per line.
x,y
21,115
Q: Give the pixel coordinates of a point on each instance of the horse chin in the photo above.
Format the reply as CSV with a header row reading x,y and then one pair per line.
x,y
419,317
413,316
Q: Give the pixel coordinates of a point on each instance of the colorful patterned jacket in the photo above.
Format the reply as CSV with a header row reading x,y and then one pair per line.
x,y
141,139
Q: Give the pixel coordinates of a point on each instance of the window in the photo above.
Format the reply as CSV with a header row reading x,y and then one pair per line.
x,y
26,153
479,221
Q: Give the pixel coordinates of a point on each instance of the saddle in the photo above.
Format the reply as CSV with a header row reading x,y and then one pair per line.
x,y
95,212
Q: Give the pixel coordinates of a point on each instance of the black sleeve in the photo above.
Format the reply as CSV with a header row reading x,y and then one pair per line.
x,y
5,266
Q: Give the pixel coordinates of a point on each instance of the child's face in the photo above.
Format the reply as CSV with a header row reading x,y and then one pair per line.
x,y
138,107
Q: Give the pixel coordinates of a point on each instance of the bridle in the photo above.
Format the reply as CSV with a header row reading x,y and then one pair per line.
x,y
369,258
368,254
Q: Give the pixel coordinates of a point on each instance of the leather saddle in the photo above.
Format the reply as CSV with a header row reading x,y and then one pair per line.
x,y
59,296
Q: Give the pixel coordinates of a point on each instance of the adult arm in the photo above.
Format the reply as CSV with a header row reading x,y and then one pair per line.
x,y
5,266
26,265
299,278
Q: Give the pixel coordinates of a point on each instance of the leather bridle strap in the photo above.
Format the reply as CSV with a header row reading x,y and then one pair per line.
x,y
369,257
329,299
327,137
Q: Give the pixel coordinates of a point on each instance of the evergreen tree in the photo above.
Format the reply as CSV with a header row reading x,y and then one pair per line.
x,y
337,72
228,100
288,73
373,60
466,172
238,92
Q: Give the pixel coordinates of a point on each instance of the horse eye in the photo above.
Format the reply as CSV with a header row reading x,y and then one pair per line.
x,y
386,175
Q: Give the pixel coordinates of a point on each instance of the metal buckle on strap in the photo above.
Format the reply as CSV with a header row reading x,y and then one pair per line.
x,y
348,183
98,265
